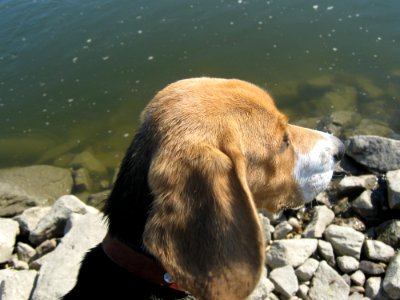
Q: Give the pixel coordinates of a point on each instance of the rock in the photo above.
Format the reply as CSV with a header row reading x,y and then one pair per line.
x,y
364,206
17,264
46,247
338,121
374,152
306,271
393,180
358,183
342,98
326,251
9,230
82,181
378,251
328,284
266,228
29,219
290,252
372,90
88,161
303,291
57,274
16,285
345,240
98,199
347,264
357,296
358,278
263,289
391,282
389,233
342,207
322,217
371,268
282,230
24,187
25,252
371,127
285,281
373,288
52,225
352,222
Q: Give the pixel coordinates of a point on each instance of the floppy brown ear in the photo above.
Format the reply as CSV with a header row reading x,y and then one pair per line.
x,y
203,226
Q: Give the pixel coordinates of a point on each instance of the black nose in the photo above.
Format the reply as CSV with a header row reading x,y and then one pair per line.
x,y
340,150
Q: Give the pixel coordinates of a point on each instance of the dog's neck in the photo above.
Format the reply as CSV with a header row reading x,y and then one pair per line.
x,y
137,262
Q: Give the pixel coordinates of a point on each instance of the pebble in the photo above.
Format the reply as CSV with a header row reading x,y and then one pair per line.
x,y
285,281
358,278
391,282
347,264
345,240
307,270
322,217
378,251
371,268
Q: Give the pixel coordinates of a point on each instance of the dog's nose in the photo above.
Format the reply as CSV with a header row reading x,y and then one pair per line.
x,y
340,149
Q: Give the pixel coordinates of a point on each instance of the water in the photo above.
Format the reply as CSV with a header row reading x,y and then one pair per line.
x,y
74,75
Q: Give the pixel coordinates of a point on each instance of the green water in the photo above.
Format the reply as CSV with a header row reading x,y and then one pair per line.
x,y
74,75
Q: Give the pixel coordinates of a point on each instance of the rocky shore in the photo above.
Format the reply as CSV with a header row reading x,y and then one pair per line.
x,y
344,245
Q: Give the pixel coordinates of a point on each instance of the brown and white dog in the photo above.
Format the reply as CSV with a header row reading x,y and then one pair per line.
x,y
207,154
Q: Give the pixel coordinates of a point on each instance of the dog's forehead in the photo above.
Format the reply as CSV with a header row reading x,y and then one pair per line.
x,y
304,138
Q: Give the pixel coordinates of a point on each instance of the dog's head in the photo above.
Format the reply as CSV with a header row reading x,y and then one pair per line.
x,y
218,150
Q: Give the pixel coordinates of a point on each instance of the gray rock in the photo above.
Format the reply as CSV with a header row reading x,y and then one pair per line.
x,y
326,250
347,264
322,217
9,230
338,121
358,278
282,230
82,180
52,225
391,282
29,219
328,284
25,252
88,161
374,152
393,180
364,182
99,199
263,289
290,252
378,251
373,288
307,270
303,291
285,281
16,285
345,240
57,274
389,233
357,296
371,268
352,222
266,227
46,247
364,206
24,187
17,264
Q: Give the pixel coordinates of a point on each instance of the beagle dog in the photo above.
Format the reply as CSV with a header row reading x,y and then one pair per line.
x,y
183,211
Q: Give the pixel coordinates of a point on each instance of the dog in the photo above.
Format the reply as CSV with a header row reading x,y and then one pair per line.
x,y
182,214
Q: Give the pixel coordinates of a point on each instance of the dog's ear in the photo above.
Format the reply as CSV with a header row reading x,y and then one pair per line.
x,y
203,226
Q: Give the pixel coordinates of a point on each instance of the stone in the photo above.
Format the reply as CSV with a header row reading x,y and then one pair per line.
x,y
57,274
24,187
265,224
358,278
25,252
371,127
88,161
322,217
82,180
9,229
285,281
325,249
345,240
373,288
391,282
46,247
16,285
352,222
17,264
374,152
303,291
378,251
393,180
307,270
347,264
341,98
328,284
364,205
290,252
52,225
263,288
29,219
389,233
372,90
98,199
358,183
371,268
357,296
338,121
282,230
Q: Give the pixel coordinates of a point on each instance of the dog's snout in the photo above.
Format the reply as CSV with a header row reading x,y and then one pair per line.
x,y
339,149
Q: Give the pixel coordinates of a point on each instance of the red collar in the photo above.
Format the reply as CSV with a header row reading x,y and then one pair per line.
x,y
137,263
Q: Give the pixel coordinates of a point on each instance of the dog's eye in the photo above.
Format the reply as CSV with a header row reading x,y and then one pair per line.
x,y
285,142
